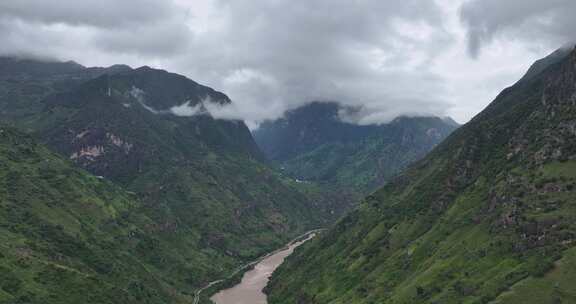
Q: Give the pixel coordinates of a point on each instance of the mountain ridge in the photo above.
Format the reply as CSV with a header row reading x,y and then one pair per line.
x,y
313,145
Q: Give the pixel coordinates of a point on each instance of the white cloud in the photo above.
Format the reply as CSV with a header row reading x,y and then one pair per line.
x,y
187,110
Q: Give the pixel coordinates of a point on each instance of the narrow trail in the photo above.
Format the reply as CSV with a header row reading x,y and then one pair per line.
x,y
198,292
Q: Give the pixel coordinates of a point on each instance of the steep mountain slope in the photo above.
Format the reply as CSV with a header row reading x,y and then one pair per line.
x,y
540,65
311,143
488,217
70,237
193,172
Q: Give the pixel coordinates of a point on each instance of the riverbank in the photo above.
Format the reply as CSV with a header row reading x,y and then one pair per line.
x,y
237,276
250,289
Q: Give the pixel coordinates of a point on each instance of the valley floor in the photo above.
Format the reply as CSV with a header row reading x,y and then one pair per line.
x,y
248,282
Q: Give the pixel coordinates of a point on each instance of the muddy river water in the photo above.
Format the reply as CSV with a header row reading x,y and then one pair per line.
x,y
249,290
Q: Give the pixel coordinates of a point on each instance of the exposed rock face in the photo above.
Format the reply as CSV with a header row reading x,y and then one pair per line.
x,y
90,145
118,142
88,153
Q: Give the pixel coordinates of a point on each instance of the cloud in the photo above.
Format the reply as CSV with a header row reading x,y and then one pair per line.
x,y
104,28
156,40
386,57
188,110
534,22
101,13
270,56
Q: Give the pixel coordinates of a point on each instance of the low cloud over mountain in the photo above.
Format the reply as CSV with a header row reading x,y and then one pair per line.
x,y
393,58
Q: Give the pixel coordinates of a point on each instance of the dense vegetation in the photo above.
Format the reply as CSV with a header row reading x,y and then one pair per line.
x,y
488,217
342,160
176,198
69,237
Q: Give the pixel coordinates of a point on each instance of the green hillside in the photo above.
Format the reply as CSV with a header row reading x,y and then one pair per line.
x,y
368,162
489,216
69,237
194,173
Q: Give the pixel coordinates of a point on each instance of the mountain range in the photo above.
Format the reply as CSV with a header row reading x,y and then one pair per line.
x,y
347,161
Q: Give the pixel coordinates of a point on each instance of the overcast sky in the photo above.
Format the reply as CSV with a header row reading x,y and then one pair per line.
x,y
409,57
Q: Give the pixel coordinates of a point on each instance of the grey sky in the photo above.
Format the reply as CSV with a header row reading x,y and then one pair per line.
x,y
548,22
410,57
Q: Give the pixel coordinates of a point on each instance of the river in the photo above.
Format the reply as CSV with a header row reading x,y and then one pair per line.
x,y
249,290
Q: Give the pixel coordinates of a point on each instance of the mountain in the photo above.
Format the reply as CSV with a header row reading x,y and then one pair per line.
x,y
24,82
202,183
313,144
70,237
489,216
194,172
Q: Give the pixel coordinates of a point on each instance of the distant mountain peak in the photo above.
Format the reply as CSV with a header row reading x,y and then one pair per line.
x,y
314,143
449,120
336,111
